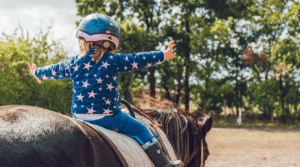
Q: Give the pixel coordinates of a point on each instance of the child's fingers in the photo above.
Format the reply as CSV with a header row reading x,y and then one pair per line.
x,y
171,42
33,66
30,67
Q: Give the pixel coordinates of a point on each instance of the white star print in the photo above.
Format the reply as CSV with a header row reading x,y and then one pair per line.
x,y
87,66
74,106
107,76
100,89
67,74
159,62
105,65
126,58
144,58
111,57
75,68
107,111
67,67
54,72
44,76
80,97
99,80
107,102
92,104
92,94
134,65
154,57
125,68
85,84
109,86
149,65
82,106
95,75
91,111
115,78
86,74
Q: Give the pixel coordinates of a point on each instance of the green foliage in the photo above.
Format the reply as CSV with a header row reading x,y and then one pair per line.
x,y
17,84
212,97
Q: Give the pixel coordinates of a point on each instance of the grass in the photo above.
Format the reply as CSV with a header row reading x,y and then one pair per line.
x,y
230,121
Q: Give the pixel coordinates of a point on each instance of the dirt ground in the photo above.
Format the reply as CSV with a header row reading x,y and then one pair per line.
x,y
252,148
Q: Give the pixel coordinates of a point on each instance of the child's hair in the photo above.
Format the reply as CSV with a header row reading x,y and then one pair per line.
x,y
84,47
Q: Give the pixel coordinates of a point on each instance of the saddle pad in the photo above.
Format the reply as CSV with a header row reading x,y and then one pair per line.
x,y
131,151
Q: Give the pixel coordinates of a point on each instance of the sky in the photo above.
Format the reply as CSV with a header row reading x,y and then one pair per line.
x,y
32,14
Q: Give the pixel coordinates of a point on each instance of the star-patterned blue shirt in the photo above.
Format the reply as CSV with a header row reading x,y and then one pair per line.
x,y
96,84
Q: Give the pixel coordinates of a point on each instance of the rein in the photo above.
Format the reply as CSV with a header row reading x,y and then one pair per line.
x,y
202,154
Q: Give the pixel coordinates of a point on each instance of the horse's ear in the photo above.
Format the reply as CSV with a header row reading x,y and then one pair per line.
x,y
206,124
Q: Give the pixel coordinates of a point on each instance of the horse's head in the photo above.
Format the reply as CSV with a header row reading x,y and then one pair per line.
x,y
185,131
204,124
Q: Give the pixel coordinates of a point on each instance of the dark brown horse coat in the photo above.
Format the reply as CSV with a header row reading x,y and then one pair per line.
x,y
36,137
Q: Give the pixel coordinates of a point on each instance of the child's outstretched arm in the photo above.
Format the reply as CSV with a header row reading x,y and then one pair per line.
x,y
62,70
138,61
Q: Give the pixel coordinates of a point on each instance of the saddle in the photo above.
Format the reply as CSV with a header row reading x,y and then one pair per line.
x,y
129,152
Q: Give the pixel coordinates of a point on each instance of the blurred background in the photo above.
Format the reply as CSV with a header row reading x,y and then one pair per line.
x,y
230,55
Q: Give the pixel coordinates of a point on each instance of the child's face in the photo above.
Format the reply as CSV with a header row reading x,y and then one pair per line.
x,y
81,45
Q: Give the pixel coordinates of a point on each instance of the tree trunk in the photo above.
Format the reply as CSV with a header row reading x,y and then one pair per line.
x,y
177,99
166,88
152,81
204,102
187,66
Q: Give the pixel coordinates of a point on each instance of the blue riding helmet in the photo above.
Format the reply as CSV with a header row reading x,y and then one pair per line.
x,y
99,27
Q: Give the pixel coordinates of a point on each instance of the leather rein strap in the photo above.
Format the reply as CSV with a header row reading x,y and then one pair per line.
x,y
202,152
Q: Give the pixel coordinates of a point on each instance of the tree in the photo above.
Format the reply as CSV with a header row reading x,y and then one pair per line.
x,y
17,84
279,57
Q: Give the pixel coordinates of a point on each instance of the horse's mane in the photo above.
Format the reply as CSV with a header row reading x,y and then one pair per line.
x,y
173,120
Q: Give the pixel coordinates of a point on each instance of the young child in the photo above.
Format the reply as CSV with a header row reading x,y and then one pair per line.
x,y
94,74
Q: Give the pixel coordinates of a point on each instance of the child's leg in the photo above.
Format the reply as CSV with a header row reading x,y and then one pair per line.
x,y
130,126
134,128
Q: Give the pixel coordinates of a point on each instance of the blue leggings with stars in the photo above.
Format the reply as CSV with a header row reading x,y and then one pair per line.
x,y
127,125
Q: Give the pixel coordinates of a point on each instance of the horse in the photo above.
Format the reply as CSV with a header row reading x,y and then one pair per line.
x,y
33,136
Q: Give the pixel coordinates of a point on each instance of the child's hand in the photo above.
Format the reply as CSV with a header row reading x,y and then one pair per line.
x,y
32,69
168,52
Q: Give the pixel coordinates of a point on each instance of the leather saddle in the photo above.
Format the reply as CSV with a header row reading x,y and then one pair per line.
x,y
129,152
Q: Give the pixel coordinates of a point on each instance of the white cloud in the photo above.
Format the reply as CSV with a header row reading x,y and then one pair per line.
x,y
8,5
5,25
62,22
